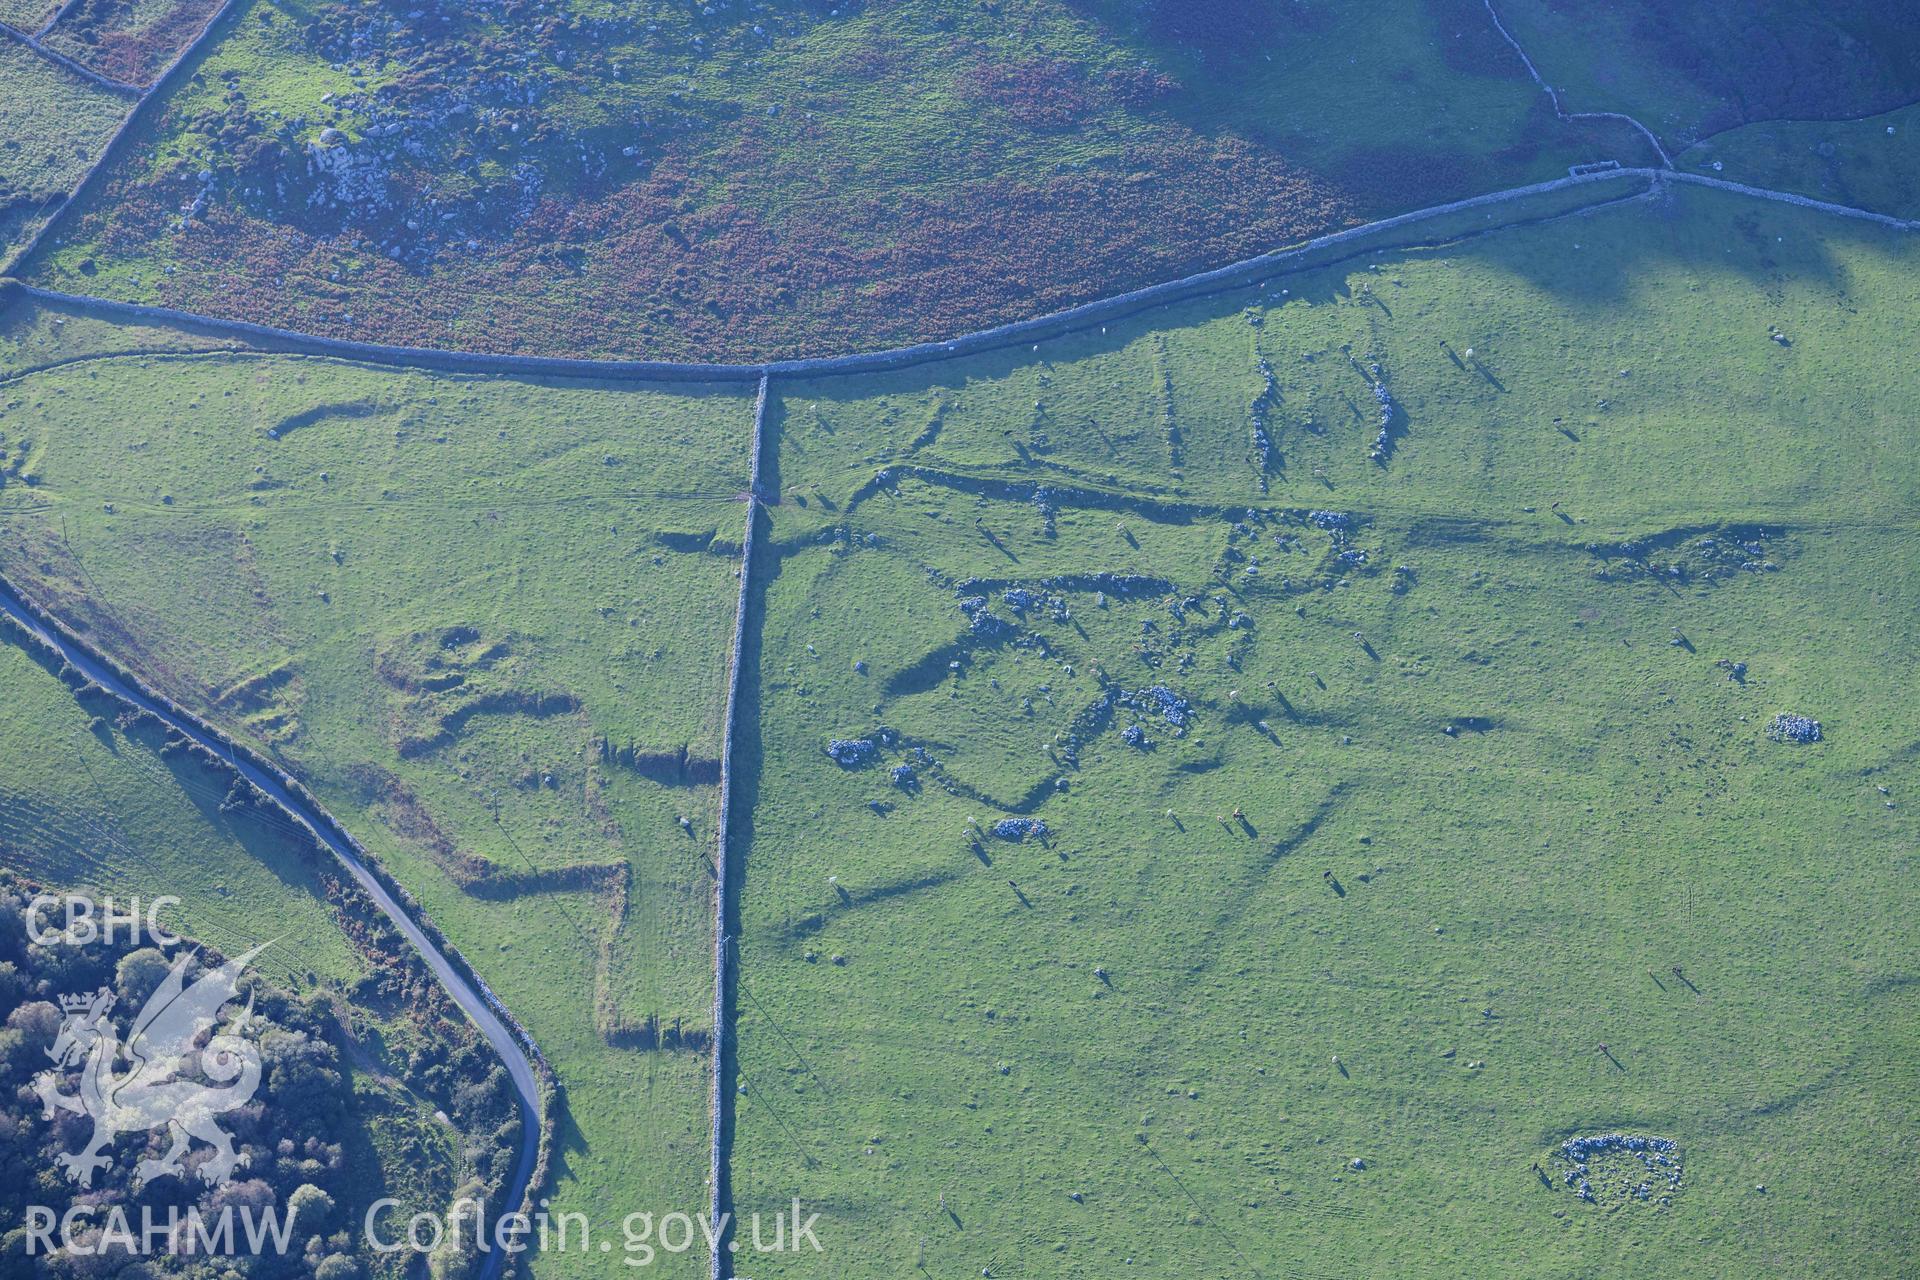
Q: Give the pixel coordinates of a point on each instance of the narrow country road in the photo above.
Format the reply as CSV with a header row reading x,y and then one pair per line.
x,y
477,1005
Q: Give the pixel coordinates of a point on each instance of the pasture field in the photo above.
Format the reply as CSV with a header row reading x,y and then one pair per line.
x,y
53,126
1402,767
92,803
100,805
1693,68
1872,163
45,335
1403,818
486,620
735,181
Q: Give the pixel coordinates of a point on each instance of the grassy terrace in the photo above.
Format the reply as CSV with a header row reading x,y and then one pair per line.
x,y
1429,836
485,619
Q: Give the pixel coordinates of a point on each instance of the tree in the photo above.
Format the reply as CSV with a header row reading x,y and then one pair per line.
x,y
311,1207
337,1266
14,1261
38,1022
138,975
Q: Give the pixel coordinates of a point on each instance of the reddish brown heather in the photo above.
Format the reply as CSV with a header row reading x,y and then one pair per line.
x,y
92,34
649,272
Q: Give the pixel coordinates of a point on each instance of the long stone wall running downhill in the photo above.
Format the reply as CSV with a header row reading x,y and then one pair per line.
x,y
53,20
725,881
1553,95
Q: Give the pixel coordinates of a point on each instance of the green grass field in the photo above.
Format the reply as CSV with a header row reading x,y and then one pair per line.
x,y
131,41
1443,821
89,804
1468,750
486,620
1230,791
53,126
43,336
1869,164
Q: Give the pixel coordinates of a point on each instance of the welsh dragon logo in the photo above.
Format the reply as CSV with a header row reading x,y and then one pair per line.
x,y
137,1086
